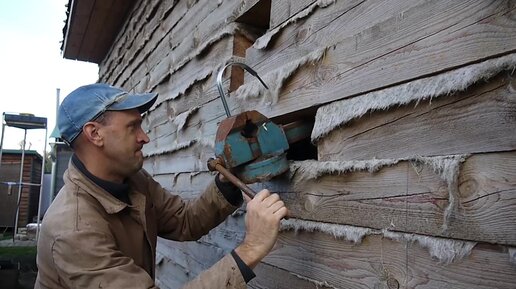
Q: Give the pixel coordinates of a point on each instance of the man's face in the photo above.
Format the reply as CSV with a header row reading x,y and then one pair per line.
x,y
123,141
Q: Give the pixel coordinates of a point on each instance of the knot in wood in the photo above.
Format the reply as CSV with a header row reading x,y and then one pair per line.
x,y
392,283
468,188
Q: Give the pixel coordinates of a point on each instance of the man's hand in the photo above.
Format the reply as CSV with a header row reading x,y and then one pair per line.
x,y
264,213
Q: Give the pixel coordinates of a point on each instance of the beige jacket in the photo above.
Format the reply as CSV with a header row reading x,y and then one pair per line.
x,y
90,239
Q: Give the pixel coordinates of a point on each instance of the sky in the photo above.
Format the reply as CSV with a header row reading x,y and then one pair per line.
x,y
32,66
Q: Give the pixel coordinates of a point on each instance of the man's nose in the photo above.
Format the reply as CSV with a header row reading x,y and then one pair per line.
x,y
143,137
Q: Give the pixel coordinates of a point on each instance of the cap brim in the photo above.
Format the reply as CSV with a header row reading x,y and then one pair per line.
x,y
142,102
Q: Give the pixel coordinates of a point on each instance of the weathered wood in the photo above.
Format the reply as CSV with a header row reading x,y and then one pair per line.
x,y
176,47
183,261
268,276
255,13
173,46
200,126
281,10
411,198
119,54
188,184
191,159
200,93
376,45
196,69
115,50
378,261
145,41
475,121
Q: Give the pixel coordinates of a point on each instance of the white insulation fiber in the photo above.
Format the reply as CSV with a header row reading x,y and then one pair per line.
x,y
338,113
445,251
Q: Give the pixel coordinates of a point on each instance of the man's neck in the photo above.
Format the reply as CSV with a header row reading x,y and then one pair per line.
x,y
99,169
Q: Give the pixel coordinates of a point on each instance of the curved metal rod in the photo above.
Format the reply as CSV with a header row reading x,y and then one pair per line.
x,y
221,89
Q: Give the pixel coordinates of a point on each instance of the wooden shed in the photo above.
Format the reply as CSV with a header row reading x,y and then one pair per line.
x,y
414,109
29,199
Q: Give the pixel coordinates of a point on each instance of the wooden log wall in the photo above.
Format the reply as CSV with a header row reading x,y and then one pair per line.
x,y
414,183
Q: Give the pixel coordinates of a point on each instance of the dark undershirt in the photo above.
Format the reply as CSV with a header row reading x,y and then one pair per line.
x,y
121,192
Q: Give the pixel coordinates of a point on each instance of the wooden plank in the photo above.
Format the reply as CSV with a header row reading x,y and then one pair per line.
x,y
191,258
411,198
268,276
183,261
200,93
379,261
176,27
132,37
282,10
473,121
191,159
118,56
115,49
201,126
227,235
188,184
90,40
196,69
371,48
185,41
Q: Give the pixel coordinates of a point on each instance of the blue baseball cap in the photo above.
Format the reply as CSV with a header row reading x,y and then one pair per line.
x,y
88,102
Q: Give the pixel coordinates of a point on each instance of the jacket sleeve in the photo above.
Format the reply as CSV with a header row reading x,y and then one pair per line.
x,y
224,274
187,220
96,262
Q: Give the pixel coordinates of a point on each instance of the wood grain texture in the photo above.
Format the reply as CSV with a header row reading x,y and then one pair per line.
x,y
133,36
188,184
411,198
168,46
379,261
191,159
119,62
282,10
272,277
475,121
375,45
183,261
188,39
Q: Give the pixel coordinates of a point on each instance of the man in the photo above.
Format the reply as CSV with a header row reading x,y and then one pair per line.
x,y
101,230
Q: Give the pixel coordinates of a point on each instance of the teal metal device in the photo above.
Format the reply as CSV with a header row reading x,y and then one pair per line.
x,y
252,143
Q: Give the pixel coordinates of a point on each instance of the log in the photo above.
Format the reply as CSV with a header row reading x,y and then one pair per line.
x,y
410,197
281,10
475,121
379,262
376,45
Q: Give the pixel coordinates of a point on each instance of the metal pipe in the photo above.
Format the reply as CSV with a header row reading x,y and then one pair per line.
x,y
2,139
221,89
41,182
20,186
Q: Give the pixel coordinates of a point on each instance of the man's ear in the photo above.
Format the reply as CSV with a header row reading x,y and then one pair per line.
x,y
91,133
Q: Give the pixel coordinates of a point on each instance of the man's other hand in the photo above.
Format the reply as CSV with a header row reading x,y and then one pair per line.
x,y
262,222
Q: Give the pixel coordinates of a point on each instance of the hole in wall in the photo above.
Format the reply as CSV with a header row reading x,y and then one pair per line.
x,y
303,149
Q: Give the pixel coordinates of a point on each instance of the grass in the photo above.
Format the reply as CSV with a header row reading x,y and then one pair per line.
x,y
23,258
17,251
5,237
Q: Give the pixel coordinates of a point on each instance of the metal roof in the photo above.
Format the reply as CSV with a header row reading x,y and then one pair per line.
x,y
91,27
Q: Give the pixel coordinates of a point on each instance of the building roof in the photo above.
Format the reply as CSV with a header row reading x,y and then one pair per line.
x,y
19,152
91,27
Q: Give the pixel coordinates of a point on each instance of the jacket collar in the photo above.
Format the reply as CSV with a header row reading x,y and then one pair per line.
x,y
111,204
